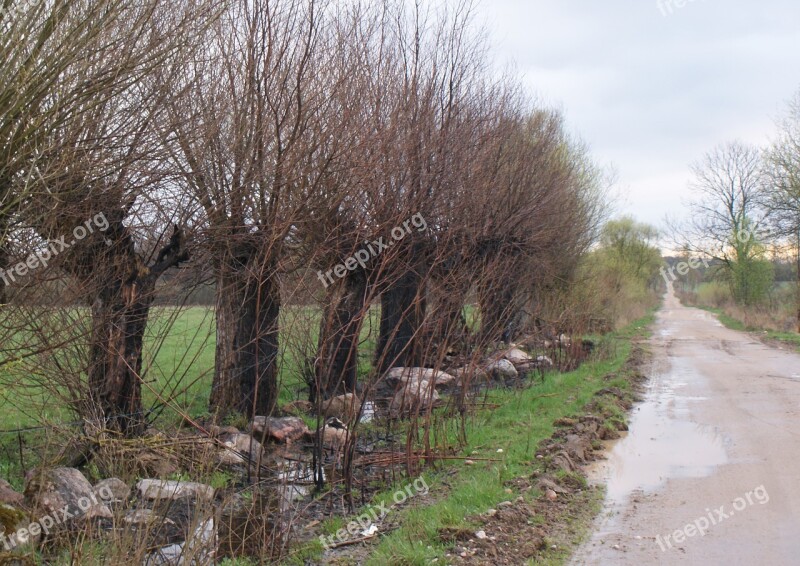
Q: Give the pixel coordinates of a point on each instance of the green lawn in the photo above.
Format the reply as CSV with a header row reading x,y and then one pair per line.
x,y
179,365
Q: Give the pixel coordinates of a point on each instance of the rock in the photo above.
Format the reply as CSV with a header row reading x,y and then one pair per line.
x,y
502,370
217,431
145,517
112,490
414,396
298,408
238,447
550,495
169,489
517,357
564,341
344,407
8,495
543,362
283,430
334,433
480,535
50,491
404,375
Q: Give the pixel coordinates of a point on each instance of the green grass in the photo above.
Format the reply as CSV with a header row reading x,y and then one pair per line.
x,y
790,338
179,365
523,419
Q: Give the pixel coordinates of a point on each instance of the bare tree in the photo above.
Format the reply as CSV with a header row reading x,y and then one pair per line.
x,y
783,193
728,214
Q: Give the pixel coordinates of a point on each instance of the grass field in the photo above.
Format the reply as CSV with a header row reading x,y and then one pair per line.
x,y
179,365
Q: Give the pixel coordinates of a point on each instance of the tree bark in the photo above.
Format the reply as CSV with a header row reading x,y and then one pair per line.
x,y
120,308
336,367
402,313
119,318
246,367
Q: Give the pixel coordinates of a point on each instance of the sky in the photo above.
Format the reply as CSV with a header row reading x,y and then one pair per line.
x,y
652,85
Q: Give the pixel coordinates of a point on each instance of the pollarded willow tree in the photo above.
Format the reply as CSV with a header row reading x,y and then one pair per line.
x,y
253,132
90,165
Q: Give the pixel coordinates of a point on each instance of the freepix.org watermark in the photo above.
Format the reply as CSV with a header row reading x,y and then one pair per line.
x,y
373,249
364,525
668,7
701,525
42,257
47,522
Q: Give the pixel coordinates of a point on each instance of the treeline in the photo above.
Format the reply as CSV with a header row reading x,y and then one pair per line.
x,y
352,154
745,217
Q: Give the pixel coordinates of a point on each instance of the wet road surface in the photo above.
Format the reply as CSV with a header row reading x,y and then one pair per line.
x,y
710,470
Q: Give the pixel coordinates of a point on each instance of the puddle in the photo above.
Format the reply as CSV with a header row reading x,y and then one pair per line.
x,y
662,443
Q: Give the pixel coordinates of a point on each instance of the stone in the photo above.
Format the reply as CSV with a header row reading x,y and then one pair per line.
x,y
282,430
502,370
8,495
480,535
112,490
238,447
49,491
551,495
344,407
153,489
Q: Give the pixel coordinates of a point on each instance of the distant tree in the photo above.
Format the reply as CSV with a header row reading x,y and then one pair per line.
x,y
727,217
783,193
631,250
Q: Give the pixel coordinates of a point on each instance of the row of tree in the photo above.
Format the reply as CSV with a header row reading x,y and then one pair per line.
x,y
253,144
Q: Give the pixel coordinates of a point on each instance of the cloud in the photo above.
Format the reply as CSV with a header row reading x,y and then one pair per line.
x,y
649,92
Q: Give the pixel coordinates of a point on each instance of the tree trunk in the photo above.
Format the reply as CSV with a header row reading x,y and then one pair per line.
x,y
246,367
336,367
497,311
797,256
448,323
402,313
119,319
120,309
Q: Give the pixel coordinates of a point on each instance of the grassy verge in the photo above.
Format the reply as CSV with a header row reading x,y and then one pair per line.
x,y
789,338
508,435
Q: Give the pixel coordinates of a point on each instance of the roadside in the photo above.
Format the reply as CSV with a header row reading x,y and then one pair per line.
x,y
770,337
519,494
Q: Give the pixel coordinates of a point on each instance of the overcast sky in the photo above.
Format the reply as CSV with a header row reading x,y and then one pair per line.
x,y
649,87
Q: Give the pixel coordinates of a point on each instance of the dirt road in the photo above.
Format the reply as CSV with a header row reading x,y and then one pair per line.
x,y
710,470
